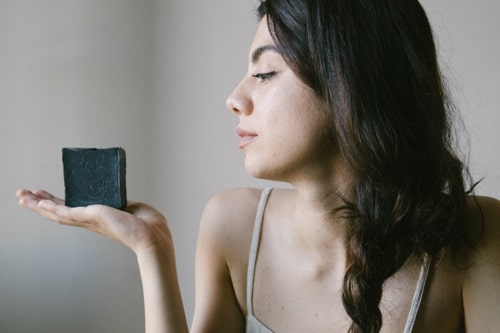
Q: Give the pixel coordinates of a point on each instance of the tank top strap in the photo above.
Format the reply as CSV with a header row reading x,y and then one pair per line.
x,y
252,259
254,247
419,292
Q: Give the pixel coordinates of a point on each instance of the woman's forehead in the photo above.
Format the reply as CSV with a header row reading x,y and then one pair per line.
x,y
262,37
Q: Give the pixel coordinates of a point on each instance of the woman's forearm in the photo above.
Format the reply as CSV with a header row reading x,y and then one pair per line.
x,y
164,309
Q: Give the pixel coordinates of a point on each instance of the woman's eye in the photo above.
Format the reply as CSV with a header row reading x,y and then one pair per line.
x,y
264,76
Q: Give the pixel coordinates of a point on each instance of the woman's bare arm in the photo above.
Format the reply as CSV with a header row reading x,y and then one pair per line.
x,y
221,256
142,229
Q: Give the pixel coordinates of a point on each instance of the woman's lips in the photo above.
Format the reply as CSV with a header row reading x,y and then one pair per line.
x,y
246,137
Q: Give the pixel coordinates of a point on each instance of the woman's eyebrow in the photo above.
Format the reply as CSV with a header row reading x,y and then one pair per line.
x,y
261,49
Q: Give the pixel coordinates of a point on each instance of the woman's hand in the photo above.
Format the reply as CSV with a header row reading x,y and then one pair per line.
x,y
139,227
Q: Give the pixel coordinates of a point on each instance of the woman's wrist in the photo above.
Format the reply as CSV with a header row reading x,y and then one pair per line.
x,y
162,298
158,253
153,239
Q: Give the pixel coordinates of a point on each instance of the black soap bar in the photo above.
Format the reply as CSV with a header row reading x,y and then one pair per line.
x,y
94,176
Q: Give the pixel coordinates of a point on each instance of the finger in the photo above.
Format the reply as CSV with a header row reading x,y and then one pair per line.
x,y
20,192
65,215
96,218
48,209
27,199
31,201
46,195
56,218
23,192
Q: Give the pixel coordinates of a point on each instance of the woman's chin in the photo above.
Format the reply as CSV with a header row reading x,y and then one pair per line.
x,y
261,171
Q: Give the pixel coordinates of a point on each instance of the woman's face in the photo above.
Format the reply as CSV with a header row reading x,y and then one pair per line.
x,y
282,123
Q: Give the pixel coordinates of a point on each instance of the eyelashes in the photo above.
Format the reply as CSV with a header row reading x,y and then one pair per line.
x,y
264,76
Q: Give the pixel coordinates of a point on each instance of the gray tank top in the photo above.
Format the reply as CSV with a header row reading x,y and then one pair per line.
x,y
253,324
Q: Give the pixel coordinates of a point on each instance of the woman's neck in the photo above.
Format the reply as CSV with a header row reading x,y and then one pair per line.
x,y
318,220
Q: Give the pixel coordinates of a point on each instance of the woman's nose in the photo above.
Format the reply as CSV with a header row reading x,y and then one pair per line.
x,y
239,101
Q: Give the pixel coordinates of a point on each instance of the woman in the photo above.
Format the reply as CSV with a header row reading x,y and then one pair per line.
x,y
343,100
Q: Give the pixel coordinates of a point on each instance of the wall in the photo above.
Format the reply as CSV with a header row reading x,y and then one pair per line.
x,y
152,76
467,33
72,73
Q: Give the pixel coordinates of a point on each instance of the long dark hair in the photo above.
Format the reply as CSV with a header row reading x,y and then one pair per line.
x,y
374,62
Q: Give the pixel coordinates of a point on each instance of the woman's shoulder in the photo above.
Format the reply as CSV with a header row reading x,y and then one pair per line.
x,y
483,224
481,289
239,205
228,217
231,206
488,205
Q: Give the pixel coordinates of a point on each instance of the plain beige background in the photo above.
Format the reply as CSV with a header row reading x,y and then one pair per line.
x,y
152,77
